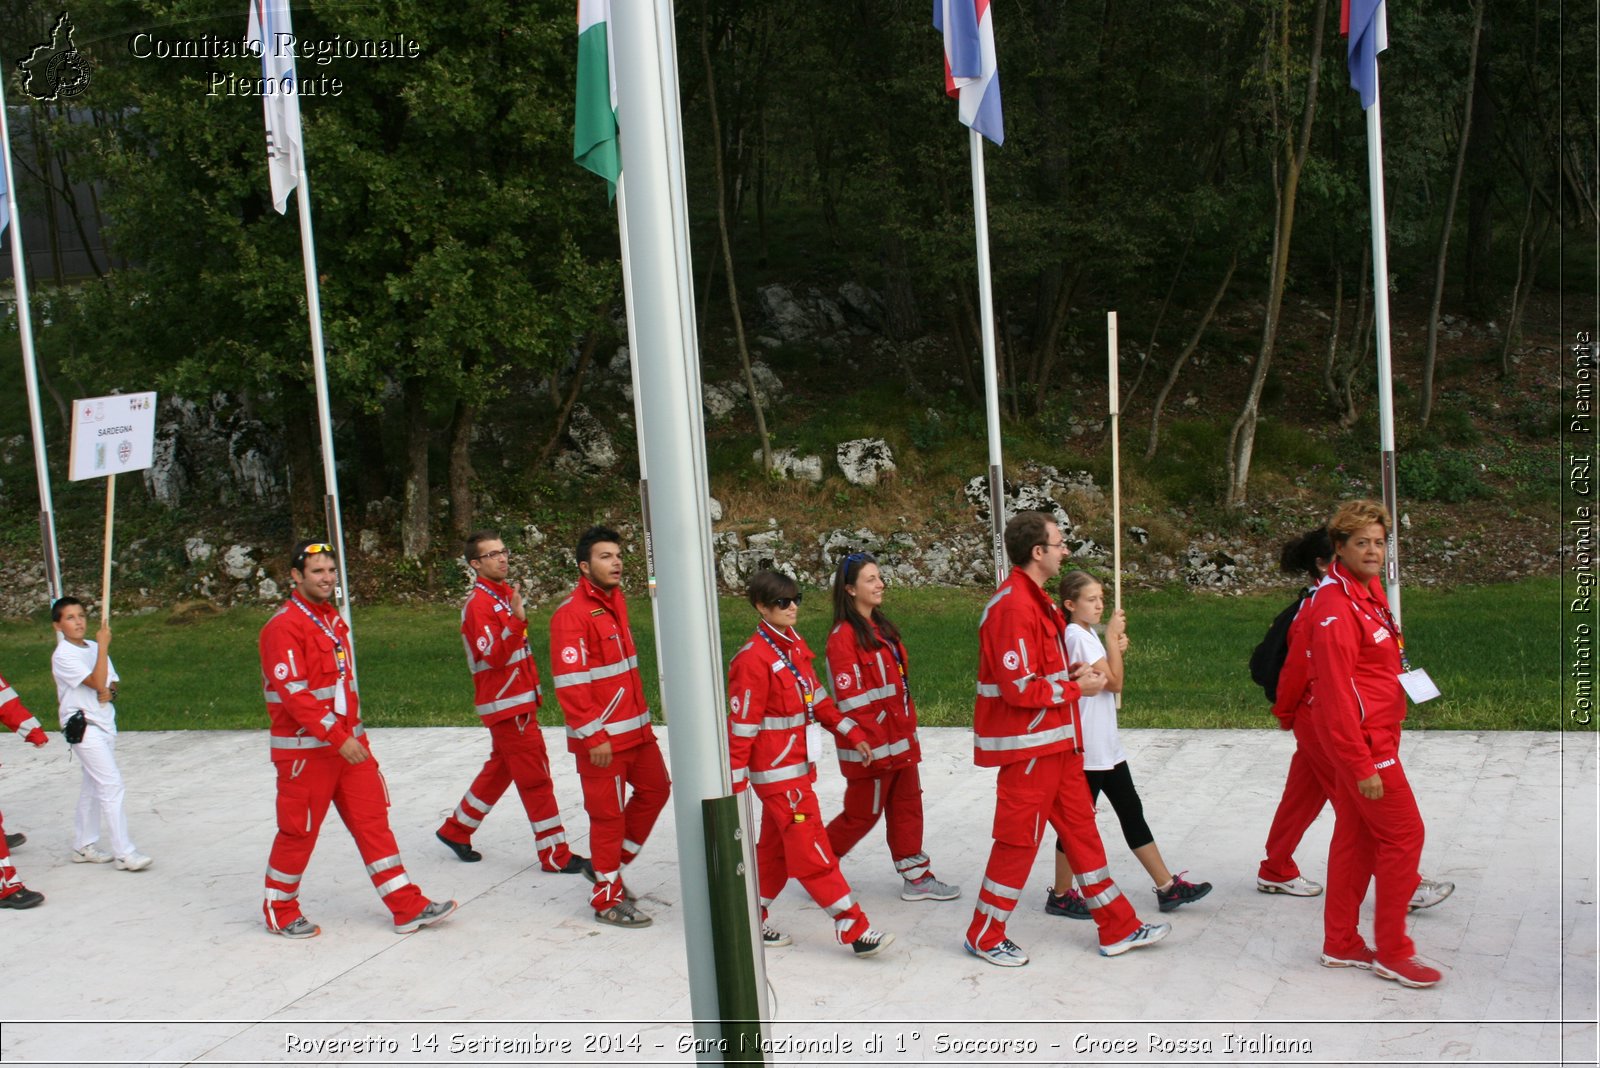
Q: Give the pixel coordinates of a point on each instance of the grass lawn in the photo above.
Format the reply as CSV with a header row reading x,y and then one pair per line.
x,y
1493,650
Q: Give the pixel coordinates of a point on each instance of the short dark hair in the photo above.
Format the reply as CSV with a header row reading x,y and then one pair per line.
x,y
1024,531
475,540
61,605
592,537
297,559
767,586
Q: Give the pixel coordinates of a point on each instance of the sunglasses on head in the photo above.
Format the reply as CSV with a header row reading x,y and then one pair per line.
x,y
785,602
311,550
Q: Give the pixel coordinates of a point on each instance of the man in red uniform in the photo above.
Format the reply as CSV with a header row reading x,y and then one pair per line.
x,y
596,669
506,696
321,753
1025,723
13,895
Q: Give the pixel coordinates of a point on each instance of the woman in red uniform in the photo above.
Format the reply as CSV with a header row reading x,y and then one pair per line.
x,y
872,687
1357,655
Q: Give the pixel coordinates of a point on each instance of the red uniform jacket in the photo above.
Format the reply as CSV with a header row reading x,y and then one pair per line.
x,y
595,667
505,680
873,692
1355,669
308,672
16,716
767,730
1027,702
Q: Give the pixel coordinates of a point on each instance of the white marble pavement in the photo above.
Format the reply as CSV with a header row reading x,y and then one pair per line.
x,y
173,965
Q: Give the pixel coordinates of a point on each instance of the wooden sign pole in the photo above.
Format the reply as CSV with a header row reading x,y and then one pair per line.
x,y
105,567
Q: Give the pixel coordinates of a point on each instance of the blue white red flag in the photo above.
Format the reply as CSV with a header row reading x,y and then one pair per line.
x,y
971,73
1366,23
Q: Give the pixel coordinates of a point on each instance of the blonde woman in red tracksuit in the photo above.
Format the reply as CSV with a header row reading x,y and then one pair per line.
x,y
1357,708
872,685
774,694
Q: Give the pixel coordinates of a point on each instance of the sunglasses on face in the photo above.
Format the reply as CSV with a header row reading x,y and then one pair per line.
x,y
785,602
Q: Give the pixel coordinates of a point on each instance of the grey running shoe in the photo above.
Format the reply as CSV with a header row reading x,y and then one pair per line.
x,y
1148,934
928,888
623,914
1005,953
431,913
1429,892
300,928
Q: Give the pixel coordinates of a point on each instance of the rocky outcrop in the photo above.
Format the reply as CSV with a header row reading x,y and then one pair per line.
x,y
864,460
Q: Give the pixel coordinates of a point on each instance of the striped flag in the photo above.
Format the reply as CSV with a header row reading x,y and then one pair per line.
x,y
594,128
5,202
971,73
1366,23
269,21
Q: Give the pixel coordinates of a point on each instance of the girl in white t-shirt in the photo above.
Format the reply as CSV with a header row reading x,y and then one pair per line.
x,y
1105,763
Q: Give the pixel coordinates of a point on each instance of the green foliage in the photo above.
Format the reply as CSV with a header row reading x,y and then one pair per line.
x,y
1439,475
1187,667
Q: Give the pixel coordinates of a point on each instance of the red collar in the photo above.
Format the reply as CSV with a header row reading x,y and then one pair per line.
x,y
1370,590
502,588
773,632
325,610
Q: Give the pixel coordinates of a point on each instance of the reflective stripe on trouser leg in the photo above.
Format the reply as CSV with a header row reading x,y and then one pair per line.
x,y
304,791
602,792
1073,819
518,742
362,801
480,798
652,786
903,822
806,856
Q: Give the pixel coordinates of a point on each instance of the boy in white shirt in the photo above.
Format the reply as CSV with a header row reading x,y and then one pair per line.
x,y
86,682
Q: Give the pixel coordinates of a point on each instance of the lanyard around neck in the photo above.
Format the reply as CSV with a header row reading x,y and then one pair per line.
x,y
806,691
340,654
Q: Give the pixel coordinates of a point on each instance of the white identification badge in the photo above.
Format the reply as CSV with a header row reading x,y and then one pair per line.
x,y
814,742
1418,686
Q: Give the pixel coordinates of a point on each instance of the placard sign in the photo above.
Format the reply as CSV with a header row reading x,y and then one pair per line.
x,y
112,435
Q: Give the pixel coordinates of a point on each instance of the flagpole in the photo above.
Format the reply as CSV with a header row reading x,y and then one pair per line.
x,y
991,378
1115,403
319,362
1380,306
19,274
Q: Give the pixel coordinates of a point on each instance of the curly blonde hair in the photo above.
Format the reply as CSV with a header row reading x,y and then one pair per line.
x,y
1356,515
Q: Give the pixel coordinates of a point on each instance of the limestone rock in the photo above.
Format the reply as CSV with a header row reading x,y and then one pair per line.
x,y
863,460
238,563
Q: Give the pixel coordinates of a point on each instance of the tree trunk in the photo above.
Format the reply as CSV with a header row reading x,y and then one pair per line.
x,y
1188,350
463,507
1482,168
1241,439
727,247
564,408
1530,249
372,467
301,449
901,319
414,523
1155,329
1430,356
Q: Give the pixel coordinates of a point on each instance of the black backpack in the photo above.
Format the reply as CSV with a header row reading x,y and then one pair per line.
x,y
1266,663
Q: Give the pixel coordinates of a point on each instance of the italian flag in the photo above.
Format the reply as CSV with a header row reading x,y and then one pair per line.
x,y
594,129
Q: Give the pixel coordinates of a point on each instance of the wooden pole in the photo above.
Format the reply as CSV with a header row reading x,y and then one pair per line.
x,y
105,566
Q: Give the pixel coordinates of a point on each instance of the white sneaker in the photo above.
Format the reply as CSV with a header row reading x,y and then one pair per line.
x,y
1299,886
1148,934
134,861
90,854
1429,892
1004,953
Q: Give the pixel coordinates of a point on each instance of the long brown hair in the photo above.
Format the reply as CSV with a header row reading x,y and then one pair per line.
x,y
844,605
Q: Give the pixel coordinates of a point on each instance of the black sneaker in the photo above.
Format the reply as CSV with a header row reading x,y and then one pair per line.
x,y
21,898
871,942
14,840
578,865
1181,892
1070,904
462,850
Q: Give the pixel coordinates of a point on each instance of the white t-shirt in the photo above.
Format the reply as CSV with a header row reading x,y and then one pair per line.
x,y
71,665
1102,749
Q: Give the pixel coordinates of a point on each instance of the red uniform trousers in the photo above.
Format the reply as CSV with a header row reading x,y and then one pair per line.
x,y
619,825
1380,838
9,883
896,796
1305,791
794,843
1029,793
518,755
358,792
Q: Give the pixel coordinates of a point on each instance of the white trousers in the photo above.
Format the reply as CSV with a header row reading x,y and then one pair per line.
x,y
101,795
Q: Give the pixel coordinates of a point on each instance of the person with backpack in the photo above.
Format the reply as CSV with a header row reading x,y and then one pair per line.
x,y
1281,666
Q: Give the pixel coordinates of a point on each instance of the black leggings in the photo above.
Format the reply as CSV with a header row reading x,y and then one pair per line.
x,y
1117,784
